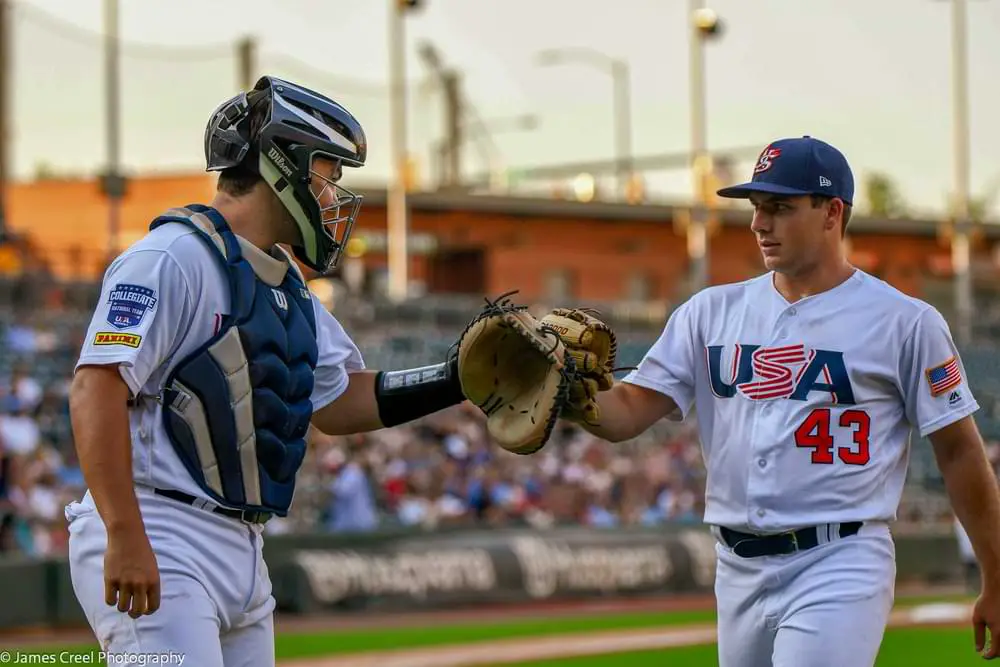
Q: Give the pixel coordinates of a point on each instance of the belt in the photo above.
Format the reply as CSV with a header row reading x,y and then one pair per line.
x,y
749,545
249,516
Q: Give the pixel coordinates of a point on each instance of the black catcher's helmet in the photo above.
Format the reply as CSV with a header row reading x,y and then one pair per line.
x,y
300,126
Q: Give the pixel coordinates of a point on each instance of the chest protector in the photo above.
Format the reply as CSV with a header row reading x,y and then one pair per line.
x,y
237,409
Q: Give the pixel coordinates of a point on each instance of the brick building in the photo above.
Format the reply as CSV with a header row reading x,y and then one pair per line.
x,y
546,248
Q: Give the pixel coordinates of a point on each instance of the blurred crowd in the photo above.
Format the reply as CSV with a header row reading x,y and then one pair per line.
x,y
439,472
39,474
443,471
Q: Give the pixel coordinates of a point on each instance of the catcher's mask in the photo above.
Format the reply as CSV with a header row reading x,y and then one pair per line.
x,y
299,151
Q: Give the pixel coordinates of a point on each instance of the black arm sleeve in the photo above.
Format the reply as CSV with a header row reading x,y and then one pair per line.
x,y
406,395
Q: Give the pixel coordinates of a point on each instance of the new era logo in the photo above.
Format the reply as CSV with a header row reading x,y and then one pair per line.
x,y
824,182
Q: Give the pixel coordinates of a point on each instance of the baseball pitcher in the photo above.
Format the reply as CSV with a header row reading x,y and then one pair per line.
x,y
807,383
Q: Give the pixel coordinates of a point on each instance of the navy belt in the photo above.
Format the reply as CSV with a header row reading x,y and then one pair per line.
x,y
249,516
749,545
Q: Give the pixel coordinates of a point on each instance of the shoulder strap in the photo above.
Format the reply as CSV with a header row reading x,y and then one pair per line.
x,y
214,229
292,264
209,222
295,275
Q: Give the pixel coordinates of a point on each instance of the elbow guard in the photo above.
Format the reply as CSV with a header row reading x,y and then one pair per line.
x,y
403,396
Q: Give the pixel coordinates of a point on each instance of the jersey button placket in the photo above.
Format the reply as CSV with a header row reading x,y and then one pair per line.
x,y
768,413
779,335
757,482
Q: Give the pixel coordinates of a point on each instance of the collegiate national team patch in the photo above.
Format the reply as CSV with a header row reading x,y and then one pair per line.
x,y
944,377
128,304
113,338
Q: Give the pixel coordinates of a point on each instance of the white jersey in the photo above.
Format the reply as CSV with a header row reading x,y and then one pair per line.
x,y
805,409
162,299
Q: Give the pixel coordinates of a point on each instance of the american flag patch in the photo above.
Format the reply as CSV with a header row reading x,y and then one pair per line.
x,y
944,377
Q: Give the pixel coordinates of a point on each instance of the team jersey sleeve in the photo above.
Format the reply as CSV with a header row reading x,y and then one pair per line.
x,y
338,357
932,376
144,307
669,365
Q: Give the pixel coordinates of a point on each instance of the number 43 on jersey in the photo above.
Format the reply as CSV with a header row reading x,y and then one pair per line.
x,y
815,433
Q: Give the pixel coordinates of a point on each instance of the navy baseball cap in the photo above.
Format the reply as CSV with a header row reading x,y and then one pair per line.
x,y
798,166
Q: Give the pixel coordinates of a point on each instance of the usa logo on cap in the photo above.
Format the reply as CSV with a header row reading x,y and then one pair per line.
x,y
766,159
128,304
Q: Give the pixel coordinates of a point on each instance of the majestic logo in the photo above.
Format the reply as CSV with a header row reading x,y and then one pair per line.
x,y
128,304
280,161
790,371
766,159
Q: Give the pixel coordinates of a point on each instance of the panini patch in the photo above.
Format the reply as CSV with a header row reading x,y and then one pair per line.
x,y
115,338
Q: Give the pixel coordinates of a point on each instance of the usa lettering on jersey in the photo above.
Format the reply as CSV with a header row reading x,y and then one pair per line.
x,y
790,371
128,304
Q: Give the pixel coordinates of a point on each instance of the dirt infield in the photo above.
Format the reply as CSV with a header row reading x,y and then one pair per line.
x,y
513,651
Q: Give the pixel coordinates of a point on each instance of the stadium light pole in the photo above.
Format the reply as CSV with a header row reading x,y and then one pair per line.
x,y
960,250
397,215
6,108
113,185
618,69
703,24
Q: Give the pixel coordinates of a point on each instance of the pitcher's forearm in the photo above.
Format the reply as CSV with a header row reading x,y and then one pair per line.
x,y
616,423
972,489
626,410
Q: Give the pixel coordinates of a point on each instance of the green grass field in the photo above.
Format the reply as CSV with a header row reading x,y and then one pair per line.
x,y
905,647
909,647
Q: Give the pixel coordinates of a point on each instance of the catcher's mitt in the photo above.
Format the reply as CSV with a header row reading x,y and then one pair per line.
x,y
516,371
593,346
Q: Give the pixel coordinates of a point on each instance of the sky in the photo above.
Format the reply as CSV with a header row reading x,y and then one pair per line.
x,y
872,77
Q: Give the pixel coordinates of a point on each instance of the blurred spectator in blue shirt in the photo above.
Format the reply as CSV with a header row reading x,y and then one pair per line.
x,y
352,508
